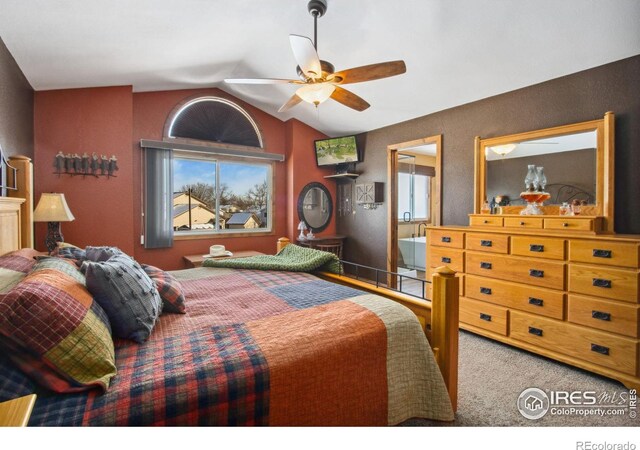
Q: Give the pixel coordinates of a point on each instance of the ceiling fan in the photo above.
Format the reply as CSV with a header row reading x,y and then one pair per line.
x,y
318,79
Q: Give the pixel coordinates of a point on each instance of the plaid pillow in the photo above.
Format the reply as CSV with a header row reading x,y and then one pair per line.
x,y
127,294
169,289
14,266
55,332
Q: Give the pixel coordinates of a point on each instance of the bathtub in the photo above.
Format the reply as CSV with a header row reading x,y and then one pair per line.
x,y
414,252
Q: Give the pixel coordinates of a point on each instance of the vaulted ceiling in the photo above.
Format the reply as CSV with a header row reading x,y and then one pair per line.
x,y
456,51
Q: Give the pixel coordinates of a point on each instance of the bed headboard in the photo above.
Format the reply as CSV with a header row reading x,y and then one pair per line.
x,y
10,224
16,210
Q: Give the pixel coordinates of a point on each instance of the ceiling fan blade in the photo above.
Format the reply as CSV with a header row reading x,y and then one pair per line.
x,y
293,101
306,55
349,99
370,72
261,81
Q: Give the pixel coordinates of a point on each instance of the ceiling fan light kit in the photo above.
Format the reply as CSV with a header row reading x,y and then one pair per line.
x,y
319,79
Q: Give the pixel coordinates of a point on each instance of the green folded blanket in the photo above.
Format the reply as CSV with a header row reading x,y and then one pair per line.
x,y
292,258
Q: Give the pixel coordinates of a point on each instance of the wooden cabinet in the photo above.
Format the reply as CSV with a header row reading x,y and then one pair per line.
x,y
563,292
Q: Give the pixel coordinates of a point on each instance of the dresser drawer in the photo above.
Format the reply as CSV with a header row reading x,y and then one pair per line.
x,y
617,284
446,238
604,315
451,257
492,243
616,352
545,302
571,224
523,222
625,254
485,220
511,268
483,315
537,247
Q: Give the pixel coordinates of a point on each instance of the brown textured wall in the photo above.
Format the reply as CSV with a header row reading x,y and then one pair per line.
x,y
578,97
16,107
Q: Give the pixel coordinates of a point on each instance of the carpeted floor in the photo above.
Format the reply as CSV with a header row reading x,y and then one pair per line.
x,y
492,376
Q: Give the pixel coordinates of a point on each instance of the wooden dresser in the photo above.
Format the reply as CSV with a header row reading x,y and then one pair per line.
x,y
550,285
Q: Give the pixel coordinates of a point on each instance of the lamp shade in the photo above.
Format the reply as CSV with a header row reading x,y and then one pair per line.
x,y
52,208
316,93
503,150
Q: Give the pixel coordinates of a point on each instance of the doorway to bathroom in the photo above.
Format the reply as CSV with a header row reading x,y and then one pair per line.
x,y
414,203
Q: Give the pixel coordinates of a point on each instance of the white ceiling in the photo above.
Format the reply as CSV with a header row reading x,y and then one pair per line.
x,y
456,51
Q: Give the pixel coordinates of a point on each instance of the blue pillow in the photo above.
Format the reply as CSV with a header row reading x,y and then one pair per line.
x,y
97,254
127,294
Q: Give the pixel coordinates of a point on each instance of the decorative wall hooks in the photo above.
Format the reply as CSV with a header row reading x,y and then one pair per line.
x,y
85,164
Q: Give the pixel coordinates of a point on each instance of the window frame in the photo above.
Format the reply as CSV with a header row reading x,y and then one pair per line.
x,y
225,233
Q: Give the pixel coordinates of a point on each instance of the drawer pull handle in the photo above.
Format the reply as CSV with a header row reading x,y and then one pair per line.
x,y
485,265
600,349
486,291
486,243
536,331
536,273
601,253
565,224
536,248
601,315
536,301
445,239
485,221
522,224
486,317
444,259
599,282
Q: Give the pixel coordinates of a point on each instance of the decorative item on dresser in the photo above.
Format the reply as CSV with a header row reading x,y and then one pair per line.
x,y
565,287
53,208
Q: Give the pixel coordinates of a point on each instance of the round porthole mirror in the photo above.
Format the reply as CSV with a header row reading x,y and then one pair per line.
x,y
315,206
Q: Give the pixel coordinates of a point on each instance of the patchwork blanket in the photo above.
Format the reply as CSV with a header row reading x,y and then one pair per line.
x,y
266,348
292,258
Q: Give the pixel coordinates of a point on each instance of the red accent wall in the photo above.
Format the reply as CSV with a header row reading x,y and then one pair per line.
x,y
92,120
302,168
112,121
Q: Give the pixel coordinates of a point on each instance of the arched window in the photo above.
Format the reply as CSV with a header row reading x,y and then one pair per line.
x,y
215,119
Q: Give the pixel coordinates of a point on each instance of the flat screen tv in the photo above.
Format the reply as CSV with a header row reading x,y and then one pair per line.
x,y
336,151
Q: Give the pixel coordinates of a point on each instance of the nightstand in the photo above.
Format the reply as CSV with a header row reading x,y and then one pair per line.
x,y
197,260
16,412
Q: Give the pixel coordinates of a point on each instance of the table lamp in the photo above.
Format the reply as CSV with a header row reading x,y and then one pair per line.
x,y
52,208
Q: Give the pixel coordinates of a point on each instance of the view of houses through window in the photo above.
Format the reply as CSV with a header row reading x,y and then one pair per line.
x,y
220,196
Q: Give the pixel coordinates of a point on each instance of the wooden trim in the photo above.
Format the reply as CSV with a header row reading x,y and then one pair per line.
x,y
608,188
478,176
392,214
24,183
16,412
605,181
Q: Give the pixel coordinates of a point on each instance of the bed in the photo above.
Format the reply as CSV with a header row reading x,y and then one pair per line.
x,y
271,348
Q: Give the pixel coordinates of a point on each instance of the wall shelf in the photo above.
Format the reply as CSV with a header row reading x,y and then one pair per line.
x,y
353,176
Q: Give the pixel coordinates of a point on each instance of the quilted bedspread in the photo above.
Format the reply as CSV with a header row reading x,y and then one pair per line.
x,y
266,348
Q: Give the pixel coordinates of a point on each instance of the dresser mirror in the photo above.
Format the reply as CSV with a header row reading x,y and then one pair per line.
x,y
315,206
577,160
